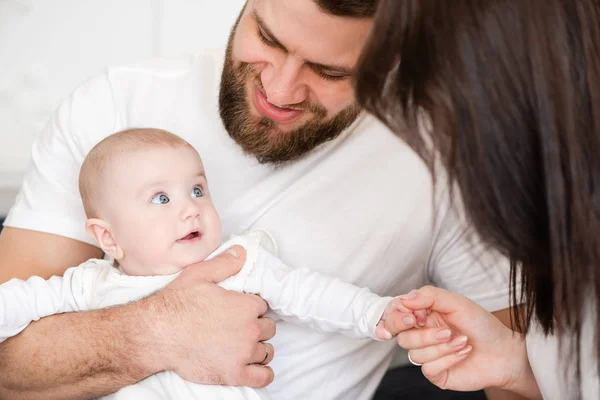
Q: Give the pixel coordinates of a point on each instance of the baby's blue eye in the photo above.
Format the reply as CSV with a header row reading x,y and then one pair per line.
x,y
197,192
160,198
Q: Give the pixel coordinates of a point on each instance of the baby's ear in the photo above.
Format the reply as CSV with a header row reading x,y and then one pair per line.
x,y
99,230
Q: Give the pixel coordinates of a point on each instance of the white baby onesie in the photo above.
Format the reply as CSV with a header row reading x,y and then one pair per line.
x,y
323,303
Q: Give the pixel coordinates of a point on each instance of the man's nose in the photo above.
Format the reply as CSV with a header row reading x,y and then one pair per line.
x,y
284,86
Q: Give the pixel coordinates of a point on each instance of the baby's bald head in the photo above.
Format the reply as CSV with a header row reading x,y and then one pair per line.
x,y
93,182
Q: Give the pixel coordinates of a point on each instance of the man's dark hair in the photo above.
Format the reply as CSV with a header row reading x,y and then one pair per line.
x,y
349,8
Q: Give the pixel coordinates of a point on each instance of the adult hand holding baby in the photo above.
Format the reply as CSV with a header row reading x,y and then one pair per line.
x,y
208,334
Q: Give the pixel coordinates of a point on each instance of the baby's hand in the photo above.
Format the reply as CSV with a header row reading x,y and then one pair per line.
x,y
397,318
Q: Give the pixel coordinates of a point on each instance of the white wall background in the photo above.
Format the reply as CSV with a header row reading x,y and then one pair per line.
x,y
48,47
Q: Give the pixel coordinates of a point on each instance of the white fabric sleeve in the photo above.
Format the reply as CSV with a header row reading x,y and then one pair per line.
x,y
302,296
22,302
461,263
311,299
49,199
549,360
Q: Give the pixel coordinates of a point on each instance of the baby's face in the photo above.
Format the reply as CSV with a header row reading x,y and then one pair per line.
x,y
161,213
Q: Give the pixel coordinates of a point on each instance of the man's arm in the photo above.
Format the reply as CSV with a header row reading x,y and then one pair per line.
x,y
75,355
27,253
204,333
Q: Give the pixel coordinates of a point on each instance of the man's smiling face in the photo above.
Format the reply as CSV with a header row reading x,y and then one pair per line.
x,y
286,83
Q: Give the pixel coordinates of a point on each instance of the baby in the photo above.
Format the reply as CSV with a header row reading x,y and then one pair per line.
x,y
148,205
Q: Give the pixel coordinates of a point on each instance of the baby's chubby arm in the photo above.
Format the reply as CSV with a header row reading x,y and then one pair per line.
x,y
25,301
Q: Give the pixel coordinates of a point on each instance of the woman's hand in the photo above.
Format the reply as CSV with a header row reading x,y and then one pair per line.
x,y
460,345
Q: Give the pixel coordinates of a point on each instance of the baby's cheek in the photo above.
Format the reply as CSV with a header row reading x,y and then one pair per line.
x,y
214,242
213,224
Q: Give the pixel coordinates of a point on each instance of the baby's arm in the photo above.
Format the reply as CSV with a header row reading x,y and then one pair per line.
x,y
22,302
309,298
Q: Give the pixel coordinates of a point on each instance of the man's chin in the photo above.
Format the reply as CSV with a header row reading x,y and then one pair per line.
x,y
274,130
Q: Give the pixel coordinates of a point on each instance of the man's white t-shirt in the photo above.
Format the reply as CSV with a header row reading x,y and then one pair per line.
x,y
360,208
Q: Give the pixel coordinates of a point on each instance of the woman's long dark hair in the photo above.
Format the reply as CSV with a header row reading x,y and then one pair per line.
x,y
510,91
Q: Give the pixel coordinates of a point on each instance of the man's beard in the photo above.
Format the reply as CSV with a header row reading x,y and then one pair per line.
x,y
262,138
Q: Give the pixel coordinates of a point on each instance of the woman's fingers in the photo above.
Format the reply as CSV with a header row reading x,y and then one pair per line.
x,y
437,371
431,353
424,337
432,298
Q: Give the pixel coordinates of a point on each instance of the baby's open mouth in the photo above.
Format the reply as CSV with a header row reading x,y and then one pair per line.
x,y
190,236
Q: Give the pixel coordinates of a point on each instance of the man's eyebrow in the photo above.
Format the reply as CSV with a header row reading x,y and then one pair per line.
x,y
342,69
265,28
314,65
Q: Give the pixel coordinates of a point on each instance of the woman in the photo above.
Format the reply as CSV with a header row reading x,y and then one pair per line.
x,y
505,95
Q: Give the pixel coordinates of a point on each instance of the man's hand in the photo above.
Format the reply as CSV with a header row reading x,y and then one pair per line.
x,y
207,334
194,327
